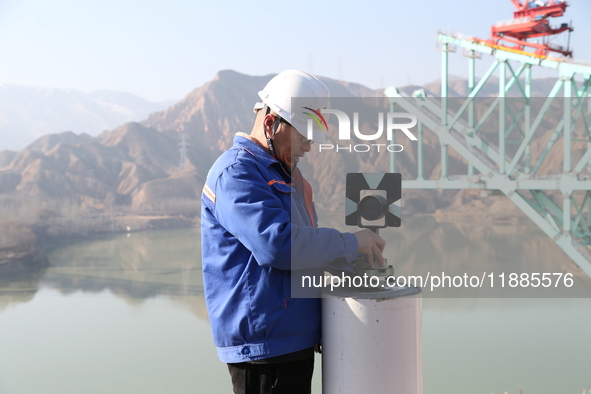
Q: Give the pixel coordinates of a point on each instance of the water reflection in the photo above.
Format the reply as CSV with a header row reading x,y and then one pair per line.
x,y
19,290
140,266
134,267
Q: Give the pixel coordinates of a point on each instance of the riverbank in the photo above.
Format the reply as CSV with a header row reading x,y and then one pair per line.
x,y
25,245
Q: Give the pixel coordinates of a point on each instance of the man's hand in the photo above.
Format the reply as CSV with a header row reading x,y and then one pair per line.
x,y
372,245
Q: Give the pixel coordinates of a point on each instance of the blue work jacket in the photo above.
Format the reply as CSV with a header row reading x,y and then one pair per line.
x,y
253,216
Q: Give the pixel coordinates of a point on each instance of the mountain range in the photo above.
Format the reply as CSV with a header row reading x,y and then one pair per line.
x,y
27,113
137,165
155,168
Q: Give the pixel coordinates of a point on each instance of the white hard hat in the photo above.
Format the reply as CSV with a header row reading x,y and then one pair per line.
x,y
313,96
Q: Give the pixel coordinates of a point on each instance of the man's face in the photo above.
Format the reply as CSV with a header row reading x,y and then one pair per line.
x,y
290,146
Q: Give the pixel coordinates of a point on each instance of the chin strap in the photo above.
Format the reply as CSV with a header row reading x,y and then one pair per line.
x,y
274,130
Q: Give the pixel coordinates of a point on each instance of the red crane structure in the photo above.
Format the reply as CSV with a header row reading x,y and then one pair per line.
x,y
530,21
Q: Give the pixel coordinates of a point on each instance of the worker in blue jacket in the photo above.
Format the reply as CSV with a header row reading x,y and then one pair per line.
x,y
259,229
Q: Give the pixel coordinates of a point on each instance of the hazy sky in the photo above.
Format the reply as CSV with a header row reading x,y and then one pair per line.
x,y
163,49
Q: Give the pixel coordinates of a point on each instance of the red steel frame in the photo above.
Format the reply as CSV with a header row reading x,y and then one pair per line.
x,y
530,21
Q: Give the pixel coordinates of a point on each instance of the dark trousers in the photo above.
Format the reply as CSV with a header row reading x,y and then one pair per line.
x,y
292,377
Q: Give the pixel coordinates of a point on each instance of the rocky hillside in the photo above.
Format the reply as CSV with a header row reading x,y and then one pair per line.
x,y
100,173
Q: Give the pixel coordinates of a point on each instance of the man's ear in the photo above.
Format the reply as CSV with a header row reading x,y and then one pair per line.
x,y
269,120
268,124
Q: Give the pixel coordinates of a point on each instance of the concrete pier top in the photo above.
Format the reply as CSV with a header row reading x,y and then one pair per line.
x,y
370,293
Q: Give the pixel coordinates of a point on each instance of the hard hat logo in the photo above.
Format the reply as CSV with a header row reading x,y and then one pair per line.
x,y
317,116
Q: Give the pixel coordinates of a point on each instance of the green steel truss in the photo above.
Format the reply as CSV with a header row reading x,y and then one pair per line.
x,y
557,201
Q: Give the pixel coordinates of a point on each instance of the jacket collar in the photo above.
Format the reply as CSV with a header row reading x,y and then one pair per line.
x,y
242,141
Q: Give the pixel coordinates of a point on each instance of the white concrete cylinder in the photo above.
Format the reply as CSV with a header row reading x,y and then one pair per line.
x,y
371,341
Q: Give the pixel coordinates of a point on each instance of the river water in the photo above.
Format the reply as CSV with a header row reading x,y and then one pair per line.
x,y
126,314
